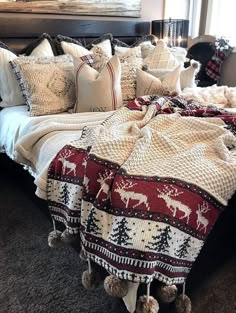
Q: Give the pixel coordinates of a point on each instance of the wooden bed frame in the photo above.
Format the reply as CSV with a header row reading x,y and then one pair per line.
x,y
19,31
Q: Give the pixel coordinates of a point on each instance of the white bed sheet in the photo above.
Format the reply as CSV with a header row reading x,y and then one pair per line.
x,y
34,141
12,119
12,122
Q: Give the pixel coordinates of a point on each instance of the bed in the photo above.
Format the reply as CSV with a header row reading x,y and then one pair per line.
x,y
99,161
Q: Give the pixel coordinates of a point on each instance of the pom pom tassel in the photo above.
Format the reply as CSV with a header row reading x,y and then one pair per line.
x,y
147,304
90,278
167,294
54,237
144,306
115,287
67,237
183,303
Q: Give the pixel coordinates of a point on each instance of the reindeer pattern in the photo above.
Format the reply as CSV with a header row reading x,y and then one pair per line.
x,y
104,185
123,189
201,219
67,166
168,194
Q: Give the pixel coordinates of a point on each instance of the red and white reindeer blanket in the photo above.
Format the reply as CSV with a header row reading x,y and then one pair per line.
x,y
145,188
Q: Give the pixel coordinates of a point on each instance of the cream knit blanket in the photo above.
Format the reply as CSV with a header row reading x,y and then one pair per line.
x,y
144,190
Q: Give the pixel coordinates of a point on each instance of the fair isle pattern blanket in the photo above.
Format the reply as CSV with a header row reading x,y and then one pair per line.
x,y
145,187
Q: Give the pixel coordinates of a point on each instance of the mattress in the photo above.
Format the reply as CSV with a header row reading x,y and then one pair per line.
x,y
34,141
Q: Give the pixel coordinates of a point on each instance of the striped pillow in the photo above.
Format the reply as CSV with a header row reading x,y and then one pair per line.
x,y
98,91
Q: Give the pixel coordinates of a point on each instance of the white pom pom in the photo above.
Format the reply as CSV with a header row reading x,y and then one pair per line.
x,y
54,239
67,237
195,64
82,255
183,304
115,287
91,280
147,305
167,294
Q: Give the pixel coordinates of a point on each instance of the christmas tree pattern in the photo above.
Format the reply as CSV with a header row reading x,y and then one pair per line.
x,y
91,223
183,249
160,242
65,194
120,233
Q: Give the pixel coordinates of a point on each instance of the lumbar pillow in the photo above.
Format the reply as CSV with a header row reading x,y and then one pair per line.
x,y
168,84
161,57
131,60
9,88
100,49
98,91
187,75
47,83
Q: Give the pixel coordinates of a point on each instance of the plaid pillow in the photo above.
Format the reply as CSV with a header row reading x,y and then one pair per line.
x,y
89,59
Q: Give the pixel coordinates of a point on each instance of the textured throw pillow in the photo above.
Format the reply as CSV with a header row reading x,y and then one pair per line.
x,y
131,60
187,75
161,57
9,88
47,83
146,43
212,95
167,85
98,91
100,48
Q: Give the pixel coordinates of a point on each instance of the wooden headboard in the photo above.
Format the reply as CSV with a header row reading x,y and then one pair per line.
x,y
18,31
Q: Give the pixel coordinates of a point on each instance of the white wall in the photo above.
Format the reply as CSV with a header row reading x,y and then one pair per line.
x,y
152,10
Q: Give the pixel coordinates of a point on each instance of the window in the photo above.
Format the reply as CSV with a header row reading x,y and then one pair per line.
x,y
178,9
184,9
220,19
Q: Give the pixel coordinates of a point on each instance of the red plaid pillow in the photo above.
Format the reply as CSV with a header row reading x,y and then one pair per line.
x,y
88,59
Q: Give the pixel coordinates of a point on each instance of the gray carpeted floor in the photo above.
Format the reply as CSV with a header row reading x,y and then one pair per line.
x,y
37,279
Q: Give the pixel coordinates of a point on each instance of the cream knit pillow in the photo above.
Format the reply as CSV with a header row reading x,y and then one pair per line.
x,y
161,57
98,91
168,84
187,75
47,83
131,60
